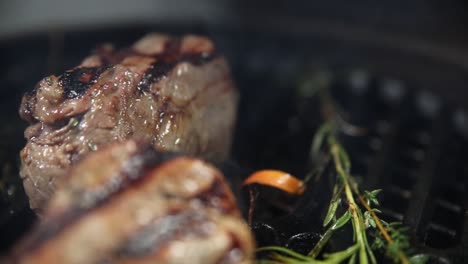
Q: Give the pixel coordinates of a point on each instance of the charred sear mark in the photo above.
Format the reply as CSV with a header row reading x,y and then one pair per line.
x,y
27,107
77,81
163,231
166,62
133,173
153,74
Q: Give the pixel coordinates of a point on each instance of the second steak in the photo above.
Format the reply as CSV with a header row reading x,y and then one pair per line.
x,y
128,204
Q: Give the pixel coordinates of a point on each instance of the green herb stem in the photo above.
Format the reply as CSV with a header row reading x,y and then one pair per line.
x,y
321,243
357,220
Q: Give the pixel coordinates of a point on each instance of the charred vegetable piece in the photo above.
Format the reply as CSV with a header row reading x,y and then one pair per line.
x,y
277,179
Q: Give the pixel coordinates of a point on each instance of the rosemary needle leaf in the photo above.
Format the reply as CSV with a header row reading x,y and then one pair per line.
x,y
352,259
319,138
419,259
331,211
285,251
376,192
371,197
342,220
344,159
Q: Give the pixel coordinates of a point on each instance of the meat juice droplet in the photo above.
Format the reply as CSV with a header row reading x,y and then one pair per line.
x,y
167,128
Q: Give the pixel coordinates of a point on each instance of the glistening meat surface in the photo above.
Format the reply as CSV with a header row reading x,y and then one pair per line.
x,y
127,203
174,92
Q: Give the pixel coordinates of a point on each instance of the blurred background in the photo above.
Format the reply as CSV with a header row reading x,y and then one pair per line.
x,y
399,69
431,28
429,19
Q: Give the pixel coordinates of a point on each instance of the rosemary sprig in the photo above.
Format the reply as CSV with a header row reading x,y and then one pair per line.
x,y
390,238
364,219
343,166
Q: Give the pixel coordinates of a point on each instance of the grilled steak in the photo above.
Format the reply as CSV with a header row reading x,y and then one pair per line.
x,y
175,92
127,203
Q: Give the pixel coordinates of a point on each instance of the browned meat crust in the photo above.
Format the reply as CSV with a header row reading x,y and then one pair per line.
x,y
128,204
175,92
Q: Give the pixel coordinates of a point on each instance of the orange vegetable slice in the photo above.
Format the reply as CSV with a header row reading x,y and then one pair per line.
x,y
277,179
